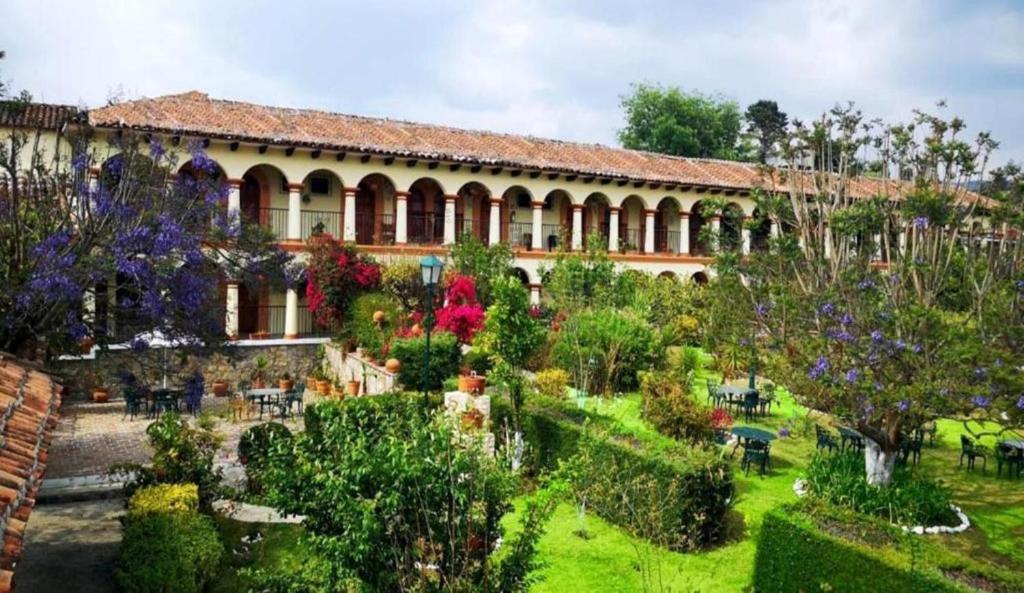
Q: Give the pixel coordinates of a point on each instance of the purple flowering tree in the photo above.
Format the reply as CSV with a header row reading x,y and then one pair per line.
x,y
894,311
145,246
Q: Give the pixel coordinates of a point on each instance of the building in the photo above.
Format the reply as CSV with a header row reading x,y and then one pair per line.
x,y
401,189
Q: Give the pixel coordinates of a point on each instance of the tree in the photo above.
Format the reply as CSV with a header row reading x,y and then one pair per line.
x,y
936,332
485,263
671,121
768,124
510,337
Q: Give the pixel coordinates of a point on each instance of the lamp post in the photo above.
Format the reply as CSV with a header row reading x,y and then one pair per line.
x,y
430,268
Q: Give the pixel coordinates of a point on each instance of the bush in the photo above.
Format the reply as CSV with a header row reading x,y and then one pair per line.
x,y
445,359
258,446
477,360
675,496
552,382
815,548
619,342
910,500
165,548
672,411
373,337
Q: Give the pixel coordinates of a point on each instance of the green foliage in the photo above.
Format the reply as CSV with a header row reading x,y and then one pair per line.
x,y
552,382
909,500
166,548
163,498
672,410
391,500
477,360
768,124
182,454
580,280
484,263
258,447
445,359
819,549
673,495
606,348
402,280
373,337
671,121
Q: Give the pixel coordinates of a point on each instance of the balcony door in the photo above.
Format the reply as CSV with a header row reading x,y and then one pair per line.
x,y
250,199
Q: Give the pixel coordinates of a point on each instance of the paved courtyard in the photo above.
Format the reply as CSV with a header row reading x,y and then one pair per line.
x,y
91,437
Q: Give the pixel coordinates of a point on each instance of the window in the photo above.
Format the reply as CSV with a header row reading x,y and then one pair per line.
x,y
320,185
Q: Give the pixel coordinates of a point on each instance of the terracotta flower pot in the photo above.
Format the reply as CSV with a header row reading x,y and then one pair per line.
x,y
416,330
258,383
100,395
378,316
323,387
311,383
86,343
285,384
260,335
392,365
472,384
220,388
352,387
338,391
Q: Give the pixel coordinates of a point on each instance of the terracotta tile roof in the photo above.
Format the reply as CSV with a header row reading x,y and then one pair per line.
x,y
29,404
37,115
195,113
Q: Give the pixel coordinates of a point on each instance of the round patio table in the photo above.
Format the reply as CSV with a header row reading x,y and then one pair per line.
x,y
1015,443
745,434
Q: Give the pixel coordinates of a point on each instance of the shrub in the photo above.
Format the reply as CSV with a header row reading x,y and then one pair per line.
x,y
909,499
552,382
164,498
258,446
619,342
165,548
816,548
445,359
373,337
461,314
672,411
675,496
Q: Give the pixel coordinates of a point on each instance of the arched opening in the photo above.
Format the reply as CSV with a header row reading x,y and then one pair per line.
x,y
517,216
731,234
522,275
375,211
472,211
322,196
698,219
760,232
666,226
632,225
556,220
140,171
263,198
426,212
668,275
596,219
699,278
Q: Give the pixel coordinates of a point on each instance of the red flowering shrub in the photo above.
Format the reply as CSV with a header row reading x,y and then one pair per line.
x,y
336,274
720,419
462,315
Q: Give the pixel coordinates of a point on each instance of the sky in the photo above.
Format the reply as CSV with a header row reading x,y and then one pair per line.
x,y
548,68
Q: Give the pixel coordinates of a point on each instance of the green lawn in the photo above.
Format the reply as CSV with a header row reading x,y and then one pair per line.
x,y
281,547
610,560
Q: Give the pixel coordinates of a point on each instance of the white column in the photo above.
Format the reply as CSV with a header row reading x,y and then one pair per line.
x,y
536,241
234,197
348,232
649,231
231,310
684,233
745,234
89,308
294,211
535,294
401,217
449,219
613,228
495,226
291,314
716,230
577,227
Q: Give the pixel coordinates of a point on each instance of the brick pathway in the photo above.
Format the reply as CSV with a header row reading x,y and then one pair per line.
x,y
91,437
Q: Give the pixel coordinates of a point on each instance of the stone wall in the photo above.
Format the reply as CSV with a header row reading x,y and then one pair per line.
x,y
344,367
233,364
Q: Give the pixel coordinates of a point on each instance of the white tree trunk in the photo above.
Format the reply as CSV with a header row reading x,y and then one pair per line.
x,y
517,451
878,464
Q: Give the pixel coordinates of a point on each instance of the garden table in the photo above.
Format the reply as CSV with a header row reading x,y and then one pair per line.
x,y
850,437
734,395
1015,443
749,433
165,400
267,396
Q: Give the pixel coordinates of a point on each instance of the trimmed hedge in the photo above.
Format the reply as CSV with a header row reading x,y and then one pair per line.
x,y
671,494
167,546
445,359
809,547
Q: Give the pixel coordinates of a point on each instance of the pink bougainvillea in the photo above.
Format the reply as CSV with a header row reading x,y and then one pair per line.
x,y
336,274
461,315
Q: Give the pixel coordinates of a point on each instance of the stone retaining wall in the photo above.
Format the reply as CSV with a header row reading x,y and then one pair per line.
x,y
344,367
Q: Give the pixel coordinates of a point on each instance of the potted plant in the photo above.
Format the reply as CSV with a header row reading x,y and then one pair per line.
x,y
472,419
220,388
352,387
311,382
720,423
286,382
393,365
338,391
470,382
86,344
323,385
100,391
259,373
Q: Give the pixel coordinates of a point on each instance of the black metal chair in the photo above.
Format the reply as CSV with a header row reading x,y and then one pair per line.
x,y
749,405
1011,457
756,452
825,440
292,396
910,447
767,397
133,400
714,394
972,451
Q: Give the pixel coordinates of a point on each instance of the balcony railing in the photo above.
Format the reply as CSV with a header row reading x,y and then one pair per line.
x,y
520,234
276,219
666,241
313,221
426,229
631,240
465,227
375,230
269,320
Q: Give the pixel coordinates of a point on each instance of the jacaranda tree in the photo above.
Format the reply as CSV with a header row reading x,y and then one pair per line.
x,y
144,245
932,332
